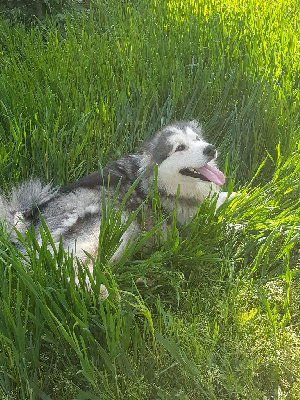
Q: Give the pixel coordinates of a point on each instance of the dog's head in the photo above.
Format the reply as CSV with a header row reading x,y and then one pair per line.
x,y
184,158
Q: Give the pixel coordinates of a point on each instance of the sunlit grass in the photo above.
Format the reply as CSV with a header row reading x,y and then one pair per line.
x,y
220,320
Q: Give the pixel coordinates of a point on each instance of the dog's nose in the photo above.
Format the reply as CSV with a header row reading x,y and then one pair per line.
x,y
210,150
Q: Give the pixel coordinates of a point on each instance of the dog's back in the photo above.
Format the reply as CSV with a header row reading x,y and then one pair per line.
x,y
72,213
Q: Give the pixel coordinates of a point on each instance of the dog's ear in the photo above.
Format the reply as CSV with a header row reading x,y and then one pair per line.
x,y
196,126
159,148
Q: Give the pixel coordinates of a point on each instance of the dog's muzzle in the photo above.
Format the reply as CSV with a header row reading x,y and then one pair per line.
x,y
207,172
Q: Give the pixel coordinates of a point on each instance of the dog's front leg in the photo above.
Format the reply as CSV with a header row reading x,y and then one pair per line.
x,y
222,197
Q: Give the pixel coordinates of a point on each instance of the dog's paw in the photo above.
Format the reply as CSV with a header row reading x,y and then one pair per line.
x,y
103,292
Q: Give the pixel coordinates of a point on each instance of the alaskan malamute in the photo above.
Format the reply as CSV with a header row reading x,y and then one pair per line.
x,y
185,165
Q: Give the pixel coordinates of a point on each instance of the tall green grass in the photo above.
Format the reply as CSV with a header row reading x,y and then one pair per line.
x,y
221,318
127,68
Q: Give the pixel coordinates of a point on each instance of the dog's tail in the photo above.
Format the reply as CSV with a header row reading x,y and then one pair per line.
x,y
24,199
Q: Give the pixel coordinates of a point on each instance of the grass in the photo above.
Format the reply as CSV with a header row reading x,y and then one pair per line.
x,y
221,321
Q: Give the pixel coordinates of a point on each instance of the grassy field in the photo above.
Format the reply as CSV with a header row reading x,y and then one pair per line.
x,y
222,319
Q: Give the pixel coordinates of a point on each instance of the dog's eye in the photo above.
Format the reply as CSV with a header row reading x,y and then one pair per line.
x,y
181,147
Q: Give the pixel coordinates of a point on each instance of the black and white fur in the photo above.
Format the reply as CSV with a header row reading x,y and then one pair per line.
x,y
73,212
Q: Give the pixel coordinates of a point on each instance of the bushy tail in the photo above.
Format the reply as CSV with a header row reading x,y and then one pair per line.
x,y
3,209
24,198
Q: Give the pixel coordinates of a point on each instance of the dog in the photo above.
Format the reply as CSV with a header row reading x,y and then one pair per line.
x,y
178,155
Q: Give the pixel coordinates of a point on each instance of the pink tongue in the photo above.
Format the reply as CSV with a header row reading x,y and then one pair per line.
x,y
212,174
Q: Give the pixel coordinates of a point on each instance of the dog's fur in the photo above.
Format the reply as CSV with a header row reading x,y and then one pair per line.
x,y
73,213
